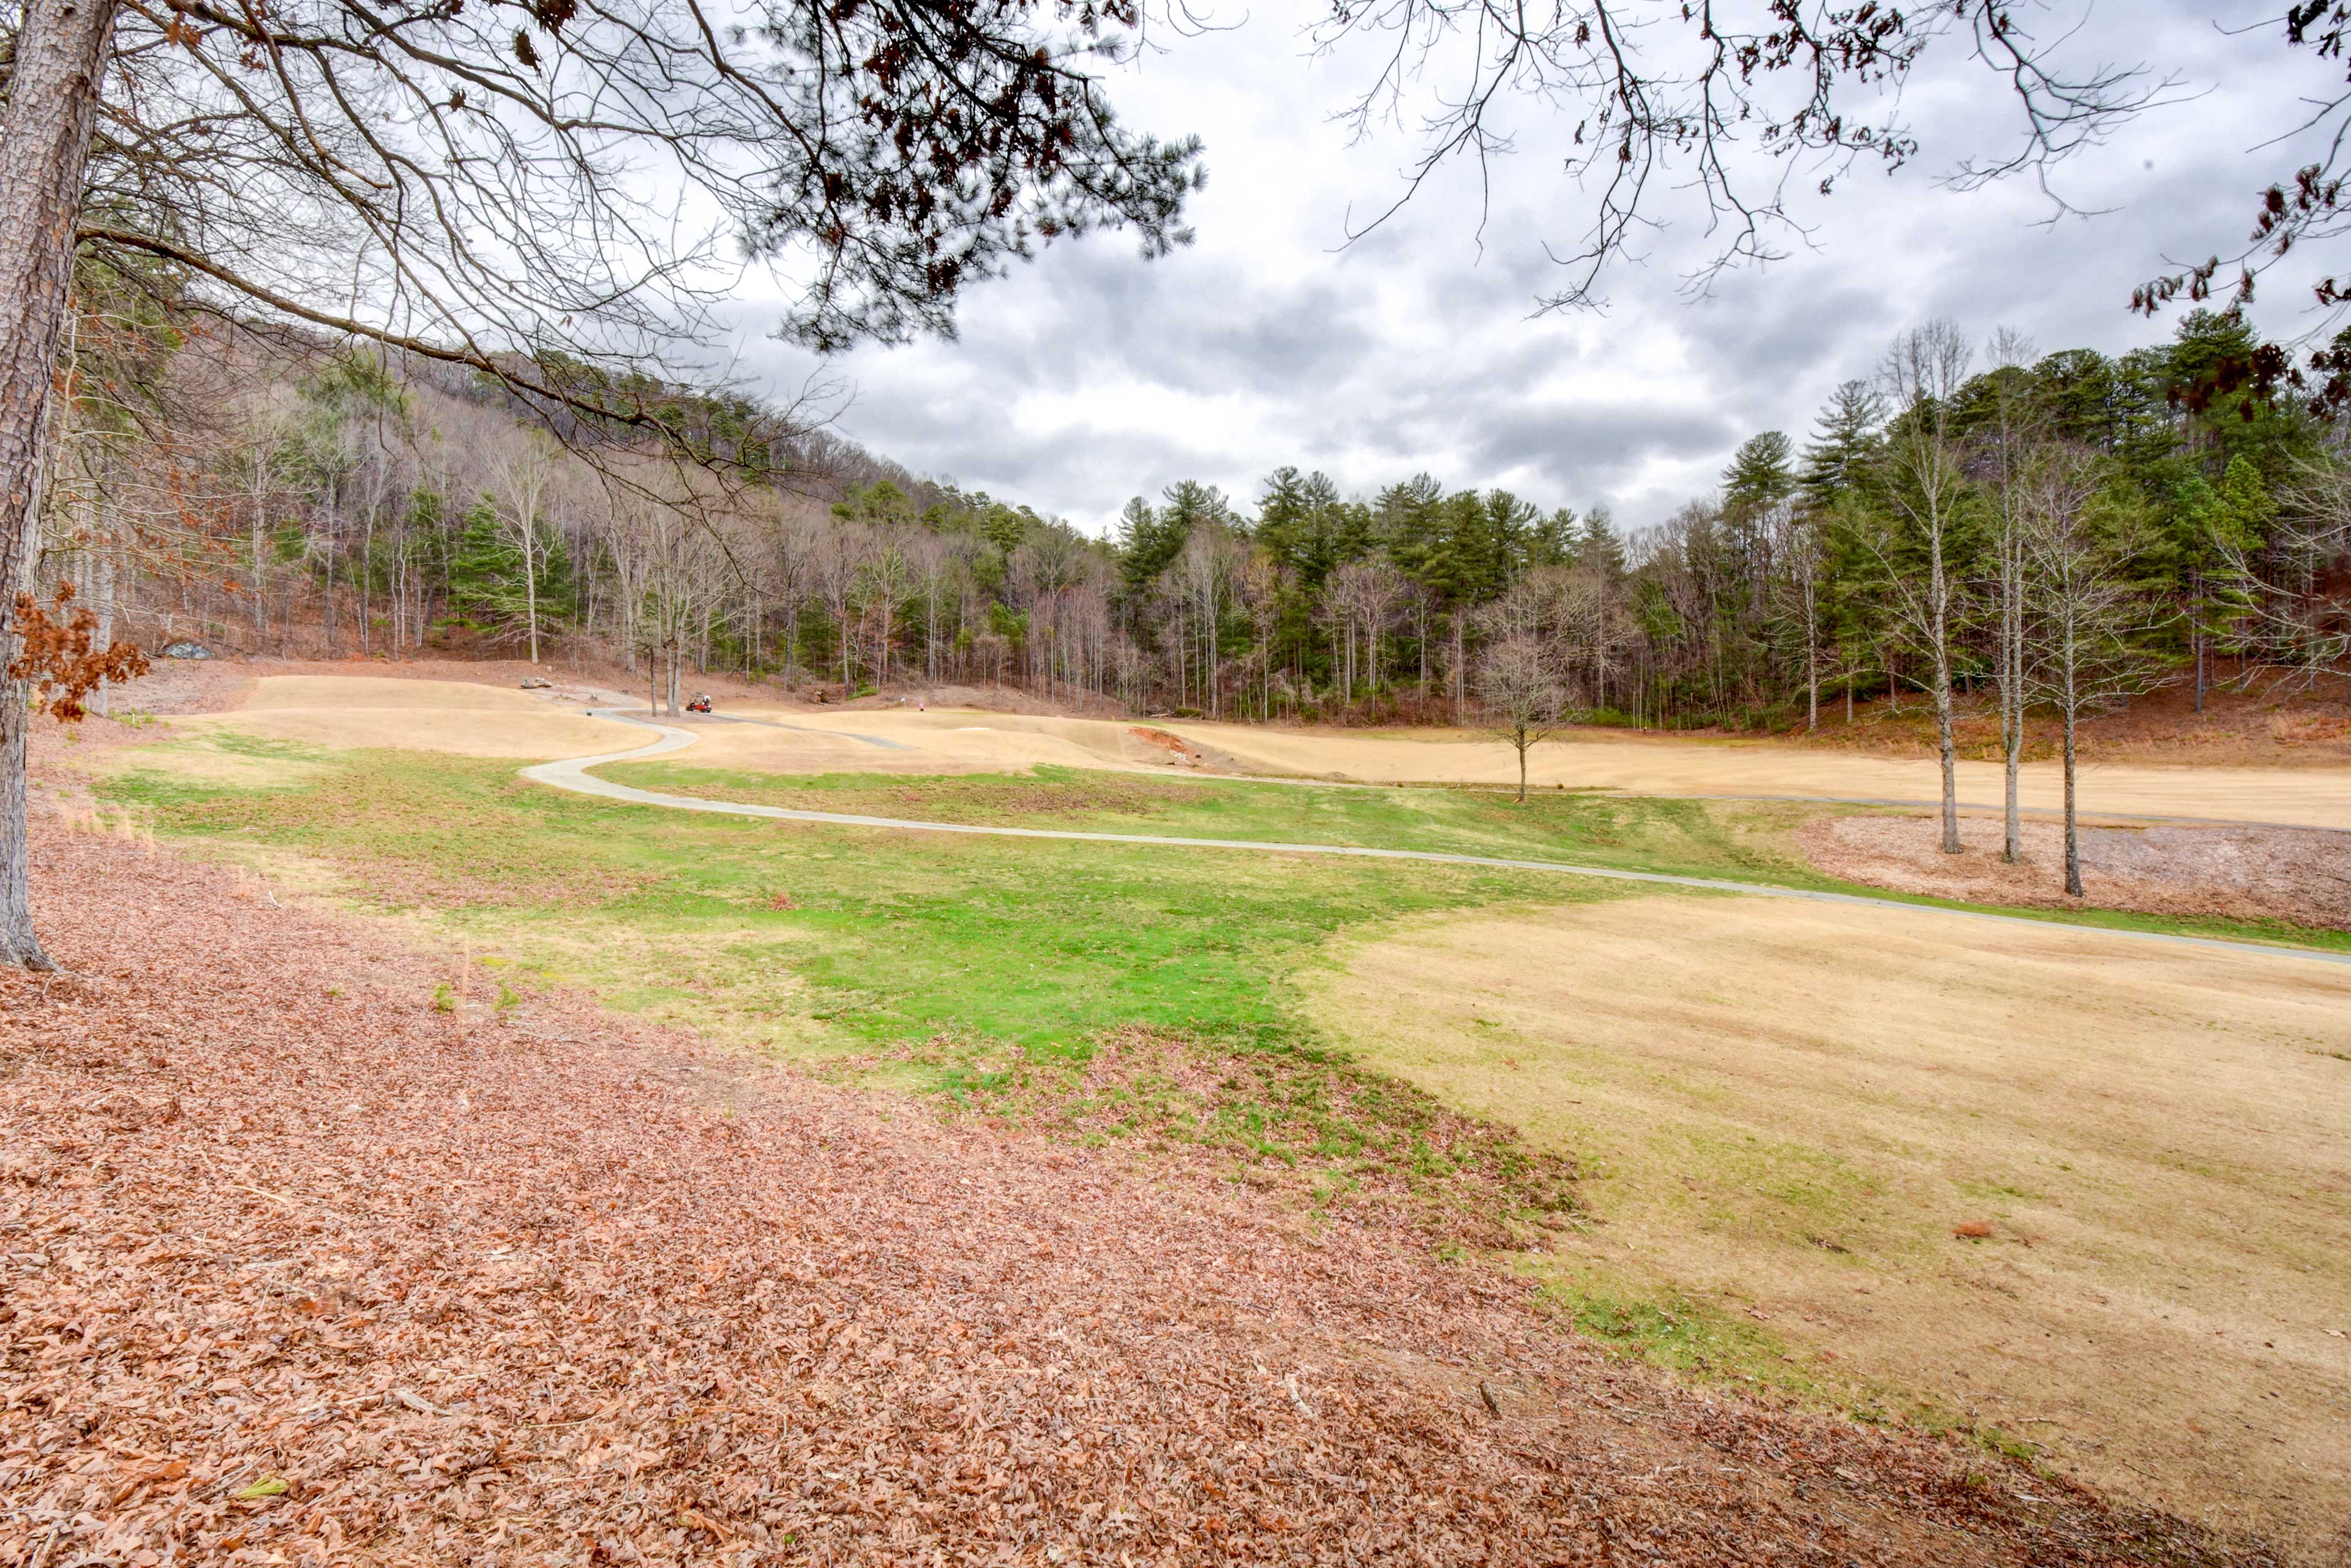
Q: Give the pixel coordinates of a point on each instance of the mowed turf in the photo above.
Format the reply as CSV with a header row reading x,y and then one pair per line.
x,y
1784,1117
840,945
811,939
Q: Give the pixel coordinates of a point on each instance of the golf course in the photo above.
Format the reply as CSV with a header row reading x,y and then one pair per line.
x,y
2067,1187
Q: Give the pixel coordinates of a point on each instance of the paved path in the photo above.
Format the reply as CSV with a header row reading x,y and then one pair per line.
x,y
572,774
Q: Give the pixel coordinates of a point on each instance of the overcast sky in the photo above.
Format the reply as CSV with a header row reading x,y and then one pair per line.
x,y
1091,376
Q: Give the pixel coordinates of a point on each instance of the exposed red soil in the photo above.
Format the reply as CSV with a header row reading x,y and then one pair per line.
x,y
1177,749
2298,875
299,1269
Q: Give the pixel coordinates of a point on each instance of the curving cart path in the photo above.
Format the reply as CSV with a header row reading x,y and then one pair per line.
x,y
572,774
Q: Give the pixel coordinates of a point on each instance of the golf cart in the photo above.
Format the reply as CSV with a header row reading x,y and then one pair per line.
x,y
700,703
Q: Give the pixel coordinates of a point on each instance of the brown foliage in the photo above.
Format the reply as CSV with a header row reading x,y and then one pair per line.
x,y
300,1268
57,656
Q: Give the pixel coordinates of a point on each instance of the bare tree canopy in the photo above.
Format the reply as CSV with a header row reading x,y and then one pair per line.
x,y
542,192
1758,104
508,179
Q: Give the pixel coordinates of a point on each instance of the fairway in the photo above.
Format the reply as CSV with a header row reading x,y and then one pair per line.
x,y
487,721
1779,1111
1785,1113
453,717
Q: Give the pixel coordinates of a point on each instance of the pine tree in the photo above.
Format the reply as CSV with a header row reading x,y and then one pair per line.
x,y
1844,443
1759,478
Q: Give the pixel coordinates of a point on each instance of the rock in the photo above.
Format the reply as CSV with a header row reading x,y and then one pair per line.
x,y
186,650
537,683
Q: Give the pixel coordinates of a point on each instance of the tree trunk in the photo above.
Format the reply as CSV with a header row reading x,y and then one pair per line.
x,y
1938,588
2196,632
1812,685
2072,840
62,49
1460,686
260,544
530,584
102,605
2011,715
1949,752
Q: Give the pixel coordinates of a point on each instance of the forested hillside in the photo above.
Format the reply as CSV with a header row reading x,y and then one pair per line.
x,y
2065,527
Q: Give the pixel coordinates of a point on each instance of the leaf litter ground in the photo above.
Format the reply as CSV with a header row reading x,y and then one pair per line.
x,y
296,1266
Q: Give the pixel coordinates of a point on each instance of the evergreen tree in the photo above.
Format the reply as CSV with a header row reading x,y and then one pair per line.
x,y
1148,541
1759,476
1843,443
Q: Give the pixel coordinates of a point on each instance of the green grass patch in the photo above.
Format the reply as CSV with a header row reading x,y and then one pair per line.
x,y
1749,842
821,938
1634,833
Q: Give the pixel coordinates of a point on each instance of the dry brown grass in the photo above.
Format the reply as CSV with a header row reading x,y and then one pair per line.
x,y
1785,1113
423,708
413,714
1659,765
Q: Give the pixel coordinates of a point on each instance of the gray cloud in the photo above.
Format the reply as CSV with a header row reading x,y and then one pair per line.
x,y
1090,376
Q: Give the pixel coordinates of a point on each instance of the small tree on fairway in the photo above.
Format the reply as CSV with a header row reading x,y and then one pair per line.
x,y
2088,612
1521,693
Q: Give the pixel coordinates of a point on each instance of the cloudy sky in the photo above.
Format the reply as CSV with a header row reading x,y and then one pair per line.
x,y
1092,376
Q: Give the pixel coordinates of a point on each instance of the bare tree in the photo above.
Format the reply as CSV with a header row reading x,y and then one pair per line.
x,y
2088,615
438,180
1798,549
2008,434
887,575
526,471
1205,575
837,565
2301,621
1746,113
1924,370
1520,691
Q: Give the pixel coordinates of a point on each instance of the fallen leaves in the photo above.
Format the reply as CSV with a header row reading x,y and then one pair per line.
x,y
537,1303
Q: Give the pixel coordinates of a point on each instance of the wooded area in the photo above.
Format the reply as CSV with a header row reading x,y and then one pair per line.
x,y
1948,524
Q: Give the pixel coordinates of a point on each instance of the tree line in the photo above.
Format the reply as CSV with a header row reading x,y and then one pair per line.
x,y
2056,529
354,504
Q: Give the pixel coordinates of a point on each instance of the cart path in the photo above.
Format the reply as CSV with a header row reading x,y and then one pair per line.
x,y
572,774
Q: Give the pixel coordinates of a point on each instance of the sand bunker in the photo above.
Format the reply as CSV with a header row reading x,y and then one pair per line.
x,y
2299,874
1786,1109
355,711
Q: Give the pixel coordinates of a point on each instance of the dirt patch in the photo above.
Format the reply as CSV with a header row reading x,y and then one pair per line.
x,y
1354,1146
308,1261
2309,796
2301,875
2256,719
2087,1191
1177,749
